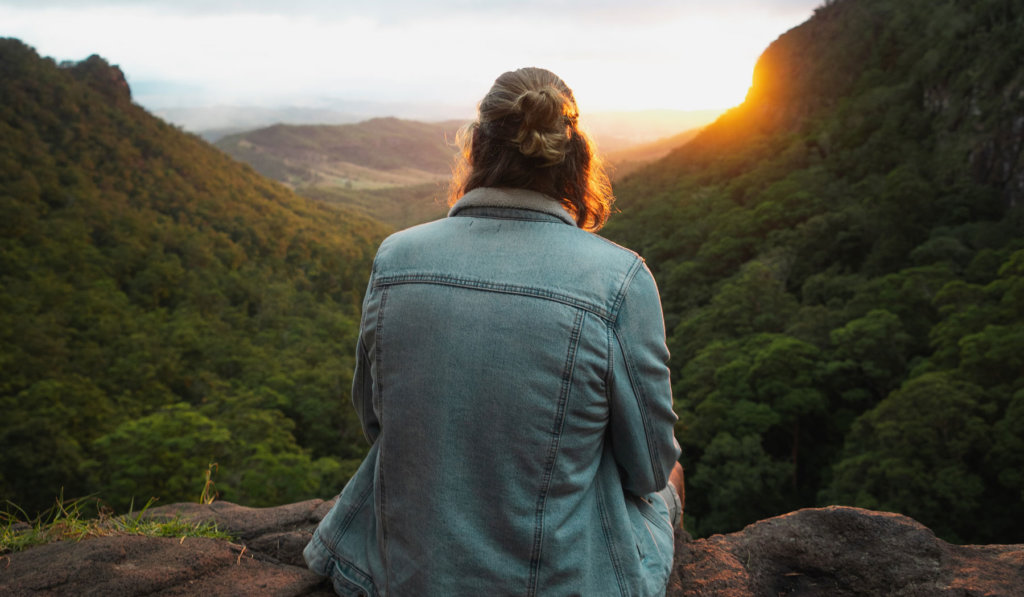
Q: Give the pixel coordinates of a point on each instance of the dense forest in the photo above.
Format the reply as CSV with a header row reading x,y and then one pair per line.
x,y
841,260
163,307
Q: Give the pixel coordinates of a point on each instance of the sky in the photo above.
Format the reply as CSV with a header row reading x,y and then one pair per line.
x,y
615,54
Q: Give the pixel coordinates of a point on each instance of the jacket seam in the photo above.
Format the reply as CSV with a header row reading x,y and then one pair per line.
x,y
549,465
381,486
609,363
626,283
495,287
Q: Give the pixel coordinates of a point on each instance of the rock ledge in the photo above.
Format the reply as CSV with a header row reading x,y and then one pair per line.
x,y
836,551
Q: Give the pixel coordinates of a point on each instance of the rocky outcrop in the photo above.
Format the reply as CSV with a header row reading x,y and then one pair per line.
x,y
265,559
105,78
843,552
835,551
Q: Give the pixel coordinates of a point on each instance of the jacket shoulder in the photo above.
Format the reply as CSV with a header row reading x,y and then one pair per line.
x,y
548,256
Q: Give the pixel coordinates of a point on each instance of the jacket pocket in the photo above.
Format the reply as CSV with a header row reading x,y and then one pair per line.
x,y
350,581
344,544
654,537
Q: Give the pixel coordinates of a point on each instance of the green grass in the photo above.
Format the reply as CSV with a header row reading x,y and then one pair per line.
x,y
68,521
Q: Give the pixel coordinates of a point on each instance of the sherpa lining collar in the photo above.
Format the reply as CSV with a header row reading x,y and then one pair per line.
x,y
514,199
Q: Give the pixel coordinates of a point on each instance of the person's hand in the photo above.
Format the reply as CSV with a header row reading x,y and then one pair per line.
x,y
677,479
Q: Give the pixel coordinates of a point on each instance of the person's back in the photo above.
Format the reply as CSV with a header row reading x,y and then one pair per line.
x,y
511,376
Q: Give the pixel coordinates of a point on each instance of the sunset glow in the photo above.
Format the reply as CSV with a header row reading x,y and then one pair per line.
x,y
649,55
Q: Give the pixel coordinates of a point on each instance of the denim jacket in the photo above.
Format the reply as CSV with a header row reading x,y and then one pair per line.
x,y
511,376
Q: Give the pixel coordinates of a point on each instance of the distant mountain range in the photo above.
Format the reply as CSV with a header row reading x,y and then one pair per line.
x,y
382,152
390,169
614,131
397,170
214,122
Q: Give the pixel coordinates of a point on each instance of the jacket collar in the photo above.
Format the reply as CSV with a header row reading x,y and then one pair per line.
x,y
512,199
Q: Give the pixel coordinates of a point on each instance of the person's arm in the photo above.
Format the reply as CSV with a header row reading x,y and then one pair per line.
x,y
641,419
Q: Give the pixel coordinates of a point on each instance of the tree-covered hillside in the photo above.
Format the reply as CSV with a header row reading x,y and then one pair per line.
x,y
380,152
379,144
163,307
393,170
841,260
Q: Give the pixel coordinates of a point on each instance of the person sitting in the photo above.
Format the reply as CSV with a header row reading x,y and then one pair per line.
x,y
511,376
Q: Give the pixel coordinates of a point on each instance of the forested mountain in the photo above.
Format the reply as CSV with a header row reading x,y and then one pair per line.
x,y
841,260
163,307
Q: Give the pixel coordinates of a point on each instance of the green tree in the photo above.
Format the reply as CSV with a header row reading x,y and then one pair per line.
x,y
163,455
740,481
919,452
870,356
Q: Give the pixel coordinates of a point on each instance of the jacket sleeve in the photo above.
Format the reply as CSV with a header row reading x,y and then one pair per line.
x,y
362,377
641,419
362,393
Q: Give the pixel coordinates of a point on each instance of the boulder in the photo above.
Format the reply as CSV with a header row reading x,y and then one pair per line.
x,y
842,552
835,551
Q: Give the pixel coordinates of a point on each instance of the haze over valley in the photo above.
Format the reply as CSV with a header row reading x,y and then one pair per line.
x,y
397,170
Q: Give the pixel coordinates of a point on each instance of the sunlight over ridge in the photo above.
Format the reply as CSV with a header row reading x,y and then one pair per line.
x,y
651,56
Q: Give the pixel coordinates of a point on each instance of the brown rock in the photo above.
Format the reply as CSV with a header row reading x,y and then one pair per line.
x,y
840,551
265,559
250,523
835,551
135,565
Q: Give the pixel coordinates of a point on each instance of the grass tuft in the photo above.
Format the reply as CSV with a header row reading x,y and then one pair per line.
x,y
65,521
209,493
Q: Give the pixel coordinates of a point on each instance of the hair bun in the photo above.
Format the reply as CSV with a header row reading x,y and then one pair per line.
x,y
526,136
540,109
543,132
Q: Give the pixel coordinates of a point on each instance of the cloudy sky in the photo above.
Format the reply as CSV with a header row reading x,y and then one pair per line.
x,y
616,54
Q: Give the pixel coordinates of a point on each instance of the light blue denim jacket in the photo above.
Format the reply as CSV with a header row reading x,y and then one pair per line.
x,y
511,376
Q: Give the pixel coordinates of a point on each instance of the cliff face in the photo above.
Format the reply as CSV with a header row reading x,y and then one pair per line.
x,y
105,78
836,78
835,551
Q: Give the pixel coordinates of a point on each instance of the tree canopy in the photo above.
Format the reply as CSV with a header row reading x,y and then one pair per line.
x,y
163,307
840,265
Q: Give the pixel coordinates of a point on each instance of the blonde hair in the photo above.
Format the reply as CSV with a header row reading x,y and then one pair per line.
x,y
527,136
